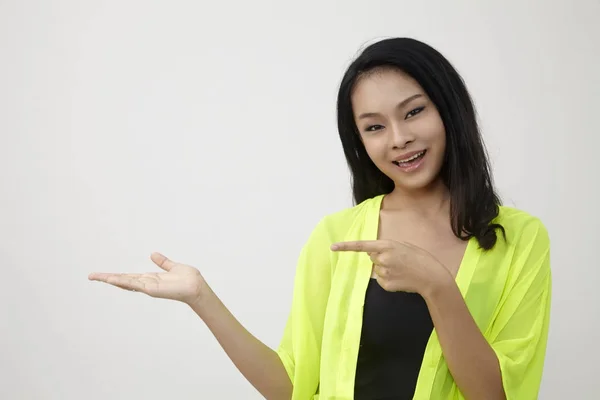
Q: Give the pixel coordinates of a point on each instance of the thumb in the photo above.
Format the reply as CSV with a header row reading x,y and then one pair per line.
x,y
162,261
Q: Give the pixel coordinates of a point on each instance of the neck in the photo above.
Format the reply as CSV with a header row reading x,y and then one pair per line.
x,y
428,201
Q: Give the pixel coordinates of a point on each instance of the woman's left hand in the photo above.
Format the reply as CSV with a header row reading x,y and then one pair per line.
x,y
400,266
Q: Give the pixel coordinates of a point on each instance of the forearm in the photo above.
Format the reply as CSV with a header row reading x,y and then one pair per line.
x,y
471,360
259,364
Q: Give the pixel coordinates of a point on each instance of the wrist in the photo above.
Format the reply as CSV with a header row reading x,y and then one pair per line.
x,y
438,286
202,300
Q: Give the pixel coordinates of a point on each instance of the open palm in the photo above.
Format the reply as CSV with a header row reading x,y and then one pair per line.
x,y
178,282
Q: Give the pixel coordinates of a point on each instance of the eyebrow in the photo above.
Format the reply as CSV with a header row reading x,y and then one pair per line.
x,y
401,104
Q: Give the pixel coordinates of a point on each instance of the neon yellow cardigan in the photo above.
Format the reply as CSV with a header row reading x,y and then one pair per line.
x,y
506,289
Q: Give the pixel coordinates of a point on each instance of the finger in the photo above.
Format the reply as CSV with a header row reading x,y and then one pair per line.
x,y
123,281
372,246
374,256
104,276
381,271
162,261
386,259
385,284
98,276
126,282
378,259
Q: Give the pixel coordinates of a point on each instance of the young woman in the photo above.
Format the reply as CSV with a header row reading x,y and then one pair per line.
x,y
427,288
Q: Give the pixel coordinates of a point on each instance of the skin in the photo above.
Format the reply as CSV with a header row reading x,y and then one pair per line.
x,y
416,250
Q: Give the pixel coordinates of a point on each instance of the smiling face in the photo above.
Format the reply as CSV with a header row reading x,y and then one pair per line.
x,y
400,128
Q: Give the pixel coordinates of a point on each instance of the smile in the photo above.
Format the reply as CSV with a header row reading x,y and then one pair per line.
x,y
412,162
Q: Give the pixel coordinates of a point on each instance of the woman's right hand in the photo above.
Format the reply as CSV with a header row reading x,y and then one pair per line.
x,y
179,282
260,364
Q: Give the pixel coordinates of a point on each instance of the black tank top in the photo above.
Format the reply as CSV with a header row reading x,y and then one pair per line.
x,y
395,331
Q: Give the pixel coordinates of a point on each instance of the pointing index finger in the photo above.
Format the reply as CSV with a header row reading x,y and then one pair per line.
x,y
371,246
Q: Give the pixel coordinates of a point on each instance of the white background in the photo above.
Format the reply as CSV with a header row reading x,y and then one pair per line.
x,y
206,131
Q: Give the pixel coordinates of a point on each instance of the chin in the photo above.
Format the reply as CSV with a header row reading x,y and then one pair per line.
x,y
415,186
417,182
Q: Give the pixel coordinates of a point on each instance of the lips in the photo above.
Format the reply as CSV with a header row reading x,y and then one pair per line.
x,y
410,158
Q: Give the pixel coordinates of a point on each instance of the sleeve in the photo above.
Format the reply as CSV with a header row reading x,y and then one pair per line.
x,y
300,347
520,329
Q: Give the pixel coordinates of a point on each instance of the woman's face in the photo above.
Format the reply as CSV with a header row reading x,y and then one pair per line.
x,y
400,127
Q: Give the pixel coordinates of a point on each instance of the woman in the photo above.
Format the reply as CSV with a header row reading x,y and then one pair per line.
x,y
426,246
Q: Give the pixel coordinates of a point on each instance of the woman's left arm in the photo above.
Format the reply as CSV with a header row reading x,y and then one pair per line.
x,y
508,362
471,360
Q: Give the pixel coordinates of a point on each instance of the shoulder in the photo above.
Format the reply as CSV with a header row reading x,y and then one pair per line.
x,y
527,244
522,226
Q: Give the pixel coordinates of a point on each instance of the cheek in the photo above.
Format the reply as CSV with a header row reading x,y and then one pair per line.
x,y
374,149
432,129
438,142
440,130
434,133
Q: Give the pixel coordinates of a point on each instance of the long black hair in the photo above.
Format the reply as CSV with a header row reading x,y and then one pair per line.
x,y
466,169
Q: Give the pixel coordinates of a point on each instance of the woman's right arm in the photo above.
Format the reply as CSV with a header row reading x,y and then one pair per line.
x,y
259,364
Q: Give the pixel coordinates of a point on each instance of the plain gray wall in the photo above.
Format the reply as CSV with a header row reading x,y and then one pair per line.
x,y
206,131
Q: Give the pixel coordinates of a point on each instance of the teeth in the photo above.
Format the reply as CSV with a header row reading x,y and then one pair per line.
x,y
411,158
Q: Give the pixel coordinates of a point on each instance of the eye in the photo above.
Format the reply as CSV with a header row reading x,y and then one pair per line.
x,y
414,112
373,128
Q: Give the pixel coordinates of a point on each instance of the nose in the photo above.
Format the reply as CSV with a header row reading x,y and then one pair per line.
x,y
400,137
